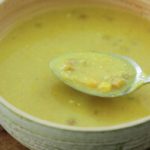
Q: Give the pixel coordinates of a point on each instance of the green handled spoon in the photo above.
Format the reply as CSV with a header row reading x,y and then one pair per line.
x,y
99,74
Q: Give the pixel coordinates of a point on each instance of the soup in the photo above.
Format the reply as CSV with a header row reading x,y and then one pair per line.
x,y
27,82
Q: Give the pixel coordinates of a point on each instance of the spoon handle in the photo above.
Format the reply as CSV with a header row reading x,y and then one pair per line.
x,y
147,79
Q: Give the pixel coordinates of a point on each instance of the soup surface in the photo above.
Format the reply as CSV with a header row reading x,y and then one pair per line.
x,y
27,82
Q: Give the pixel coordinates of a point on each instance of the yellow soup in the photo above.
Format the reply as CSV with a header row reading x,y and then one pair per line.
x,y
27,82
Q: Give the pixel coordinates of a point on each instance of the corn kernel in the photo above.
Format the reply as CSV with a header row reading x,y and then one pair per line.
x,y
68,67
118,83
91,83
105,87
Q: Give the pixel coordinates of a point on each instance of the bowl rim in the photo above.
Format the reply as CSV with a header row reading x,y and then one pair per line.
x,y
30,118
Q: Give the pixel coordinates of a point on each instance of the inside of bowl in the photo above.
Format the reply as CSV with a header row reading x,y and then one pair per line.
x,y
12,12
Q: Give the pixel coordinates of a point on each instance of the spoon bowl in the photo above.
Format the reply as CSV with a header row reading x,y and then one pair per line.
x,y
78,71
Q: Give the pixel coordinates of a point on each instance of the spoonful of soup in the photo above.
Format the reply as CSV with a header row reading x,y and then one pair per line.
x,y
99,74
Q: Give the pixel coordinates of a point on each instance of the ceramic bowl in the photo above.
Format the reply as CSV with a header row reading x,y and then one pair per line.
x,y
37,134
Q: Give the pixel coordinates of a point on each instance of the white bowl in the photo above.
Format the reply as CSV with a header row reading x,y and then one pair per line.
x,y
37,134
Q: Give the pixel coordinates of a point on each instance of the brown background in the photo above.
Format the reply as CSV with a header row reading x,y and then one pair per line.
x,y
8,143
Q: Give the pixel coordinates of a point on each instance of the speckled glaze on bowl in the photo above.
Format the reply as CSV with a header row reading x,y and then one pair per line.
x,y
37,134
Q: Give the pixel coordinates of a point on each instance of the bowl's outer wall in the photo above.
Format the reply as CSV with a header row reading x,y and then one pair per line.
x,y
37,136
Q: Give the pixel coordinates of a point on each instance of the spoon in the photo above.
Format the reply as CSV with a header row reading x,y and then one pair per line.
x,y
99,74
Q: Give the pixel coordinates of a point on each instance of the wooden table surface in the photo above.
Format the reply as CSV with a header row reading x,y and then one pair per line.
x,y
8,143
